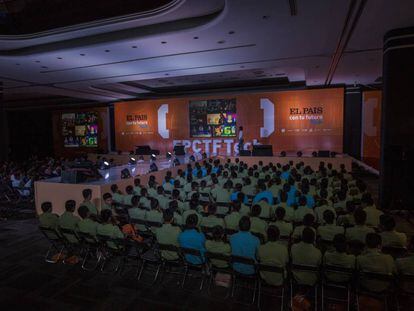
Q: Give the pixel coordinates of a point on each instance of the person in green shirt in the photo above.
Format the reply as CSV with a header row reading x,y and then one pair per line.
x,y
129,193
308,222
232,220
137,211
328,231
339,258
47,219
373,214
86,224
108,229
87,197
116,194
372,260
266,208
193,210
212,220
137,186
168,234
67,220
273,253
360,230
173,207
144,200
390,237
257,225
302,210
305,253
155,214
107,201
217,246
285,228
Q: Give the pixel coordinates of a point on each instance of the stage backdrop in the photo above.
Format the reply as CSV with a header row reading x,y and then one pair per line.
x,y
99,128
304,120
371,127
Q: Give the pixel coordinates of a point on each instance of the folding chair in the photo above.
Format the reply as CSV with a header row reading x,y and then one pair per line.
x,y
73,241
141,225
364,288
394,251
150,258
91,249
112,248
262,283
405,288
189,266
294,282
168,264
244,277
57,243
343,273
214,269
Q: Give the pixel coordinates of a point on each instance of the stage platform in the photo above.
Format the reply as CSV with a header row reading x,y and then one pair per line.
x,y
56,192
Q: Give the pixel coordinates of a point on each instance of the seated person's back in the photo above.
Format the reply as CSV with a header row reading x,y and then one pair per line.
x,y
372,260
47,219
329,230
212,220
257,225
273,253
339,258
86,224
305,253
244,244
360,230
168,234
389,236
191,238
285,228
217,246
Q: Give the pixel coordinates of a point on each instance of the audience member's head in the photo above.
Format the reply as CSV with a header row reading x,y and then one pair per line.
x,y
328,217
106,215
256,210
280,213
46,207
273,233
218,233
244,223
83,211
360,217
339,243
191,221
308,235
373,240
87,194
70,206
168,216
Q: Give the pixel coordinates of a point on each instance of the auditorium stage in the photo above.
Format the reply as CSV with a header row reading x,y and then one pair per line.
x,y
54,191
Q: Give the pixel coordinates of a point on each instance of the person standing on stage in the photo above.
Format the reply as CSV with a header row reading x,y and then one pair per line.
x,y
241,139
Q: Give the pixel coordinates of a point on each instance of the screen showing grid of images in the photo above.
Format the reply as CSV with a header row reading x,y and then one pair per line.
x,y
213,118
80,129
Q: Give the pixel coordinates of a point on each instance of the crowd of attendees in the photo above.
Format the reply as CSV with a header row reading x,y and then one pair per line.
x,y
271,213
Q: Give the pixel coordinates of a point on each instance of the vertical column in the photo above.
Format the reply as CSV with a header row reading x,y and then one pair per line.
x,y
352,121
4,144
397,121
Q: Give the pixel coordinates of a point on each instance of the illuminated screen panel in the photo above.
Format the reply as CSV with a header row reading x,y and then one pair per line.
x,y
213,118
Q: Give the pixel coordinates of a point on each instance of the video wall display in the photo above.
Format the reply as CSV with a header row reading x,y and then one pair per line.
x,y
213,118
80,129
